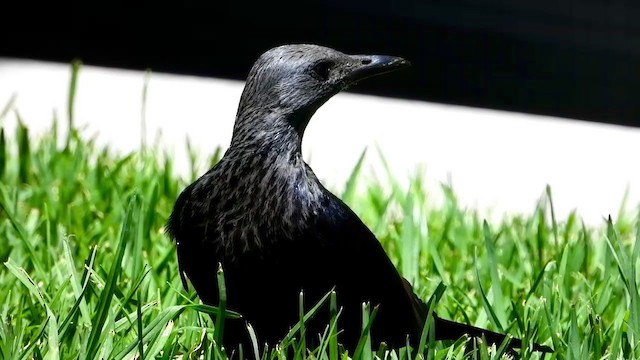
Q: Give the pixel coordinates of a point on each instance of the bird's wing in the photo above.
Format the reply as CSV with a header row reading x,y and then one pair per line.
x,y
369,274
175,228
390,289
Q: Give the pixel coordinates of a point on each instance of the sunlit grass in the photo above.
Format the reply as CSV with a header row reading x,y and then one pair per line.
x,y
88,272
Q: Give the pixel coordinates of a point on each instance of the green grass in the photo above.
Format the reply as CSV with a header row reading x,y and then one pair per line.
x,y
88,272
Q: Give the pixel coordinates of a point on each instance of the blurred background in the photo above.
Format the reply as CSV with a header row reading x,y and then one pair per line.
x,y
502,99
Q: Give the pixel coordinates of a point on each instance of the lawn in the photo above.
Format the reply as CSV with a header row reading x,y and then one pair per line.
x,y
88,273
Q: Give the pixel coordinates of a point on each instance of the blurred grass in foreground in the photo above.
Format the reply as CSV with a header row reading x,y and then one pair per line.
x,y
89,274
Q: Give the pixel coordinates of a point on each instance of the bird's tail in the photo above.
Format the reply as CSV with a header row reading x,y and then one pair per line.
x,y
450,330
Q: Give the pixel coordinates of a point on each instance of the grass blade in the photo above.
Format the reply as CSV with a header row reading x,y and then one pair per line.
x,y
75,69
294,330
22,234
352,181
143,111
78,289
128,231
7,107
139,322
3,153
363,349
254,341
303,333
153,329
333,336
428,329
485,302
554,223
492,264
24,151
52,325
34,341
222,306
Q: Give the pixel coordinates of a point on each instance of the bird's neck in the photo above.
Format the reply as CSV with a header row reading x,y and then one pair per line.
x,y
275,131
272,187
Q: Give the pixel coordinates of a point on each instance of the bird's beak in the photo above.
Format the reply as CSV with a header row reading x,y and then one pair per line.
x,y
372,65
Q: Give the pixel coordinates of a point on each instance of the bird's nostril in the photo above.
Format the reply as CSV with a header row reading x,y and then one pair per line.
x,y
366,61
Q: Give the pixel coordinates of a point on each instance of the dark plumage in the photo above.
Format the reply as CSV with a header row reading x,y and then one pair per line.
x,y
262,213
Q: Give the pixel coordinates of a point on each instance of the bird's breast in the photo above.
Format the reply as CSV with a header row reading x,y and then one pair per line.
x,y
260,207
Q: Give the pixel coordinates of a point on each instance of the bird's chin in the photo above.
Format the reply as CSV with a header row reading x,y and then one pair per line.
x,y
346,85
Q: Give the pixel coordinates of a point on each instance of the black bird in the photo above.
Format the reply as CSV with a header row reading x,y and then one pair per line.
x,y
262,213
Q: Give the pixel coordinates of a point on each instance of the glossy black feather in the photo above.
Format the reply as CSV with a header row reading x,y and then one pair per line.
x,y
263,215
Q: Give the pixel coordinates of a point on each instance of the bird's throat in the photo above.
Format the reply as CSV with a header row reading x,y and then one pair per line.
x,y
276,132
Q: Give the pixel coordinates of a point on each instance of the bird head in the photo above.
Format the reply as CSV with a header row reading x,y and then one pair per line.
x,y
293,81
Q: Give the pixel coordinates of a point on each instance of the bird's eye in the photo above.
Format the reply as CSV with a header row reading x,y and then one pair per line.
x,y
322,69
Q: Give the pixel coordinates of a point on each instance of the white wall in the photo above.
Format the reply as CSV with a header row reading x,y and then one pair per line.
x,y
496,160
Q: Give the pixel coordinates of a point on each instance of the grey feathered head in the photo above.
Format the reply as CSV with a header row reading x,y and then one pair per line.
x,y
293,81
